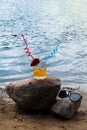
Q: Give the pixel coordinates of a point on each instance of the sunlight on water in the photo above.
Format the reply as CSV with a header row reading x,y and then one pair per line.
x,y
44,23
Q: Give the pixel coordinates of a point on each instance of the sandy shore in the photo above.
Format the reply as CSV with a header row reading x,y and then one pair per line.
x,y
13,118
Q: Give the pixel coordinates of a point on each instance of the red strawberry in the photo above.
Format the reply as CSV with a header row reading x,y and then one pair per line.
x,y
35,61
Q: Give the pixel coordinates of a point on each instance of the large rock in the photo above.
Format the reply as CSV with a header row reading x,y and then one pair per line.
x,y
34,94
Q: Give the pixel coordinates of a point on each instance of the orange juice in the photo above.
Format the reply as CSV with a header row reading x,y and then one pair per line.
x,y
39,72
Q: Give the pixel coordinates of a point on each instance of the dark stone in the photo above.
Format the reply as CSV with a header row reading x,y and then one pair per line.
x,y
34,94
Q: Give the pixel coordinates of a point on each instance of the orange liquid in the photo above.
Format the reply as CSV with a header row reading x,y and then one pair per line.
x,y
39,73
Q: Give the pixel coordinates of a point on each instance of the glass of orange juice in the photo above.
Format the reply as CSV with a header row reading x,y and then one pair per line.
x,y
40,71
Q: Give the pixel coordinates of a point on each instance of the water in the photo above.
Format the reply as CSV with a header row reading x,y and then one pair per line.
x,y
44,23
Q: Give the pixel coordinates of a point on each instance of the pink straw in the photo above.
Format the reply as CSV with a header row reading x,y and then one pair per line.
x,y
27,48
35,61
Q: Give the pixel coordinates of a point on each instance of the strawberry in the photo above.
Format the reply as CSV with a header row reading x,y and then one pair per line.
x,y
35,61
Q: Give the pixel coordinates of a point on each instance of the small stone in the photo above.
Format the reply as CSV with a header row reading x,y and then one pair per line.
x,y
15,120
23,120
64,107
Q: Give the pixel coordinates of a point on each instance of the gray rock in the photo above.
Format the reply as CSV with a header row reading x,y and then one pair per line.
x,y
64,107
34,94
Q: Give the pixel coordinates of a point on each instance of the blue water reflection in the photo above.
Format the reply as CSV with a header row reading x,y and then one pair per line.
x,y
43,23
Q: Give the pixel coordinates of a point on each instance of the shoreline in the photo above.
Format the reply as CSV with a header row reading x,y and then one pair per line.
x,y
12,117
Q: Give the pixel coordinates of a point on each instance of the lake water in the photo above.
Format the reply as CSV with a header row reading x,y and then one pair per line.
x,y
44,23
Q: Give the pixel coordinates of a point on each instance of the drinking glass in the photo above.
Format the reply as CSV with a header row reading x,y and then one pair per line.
x,y
40,71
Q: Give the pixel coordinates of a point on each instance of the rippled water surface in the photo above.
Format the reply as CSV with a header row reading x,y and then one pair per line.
x,y
44,23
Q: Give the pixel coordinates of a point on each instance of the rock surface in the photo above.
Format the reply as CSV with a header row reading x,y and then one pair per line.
x,y
34,94
65,107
